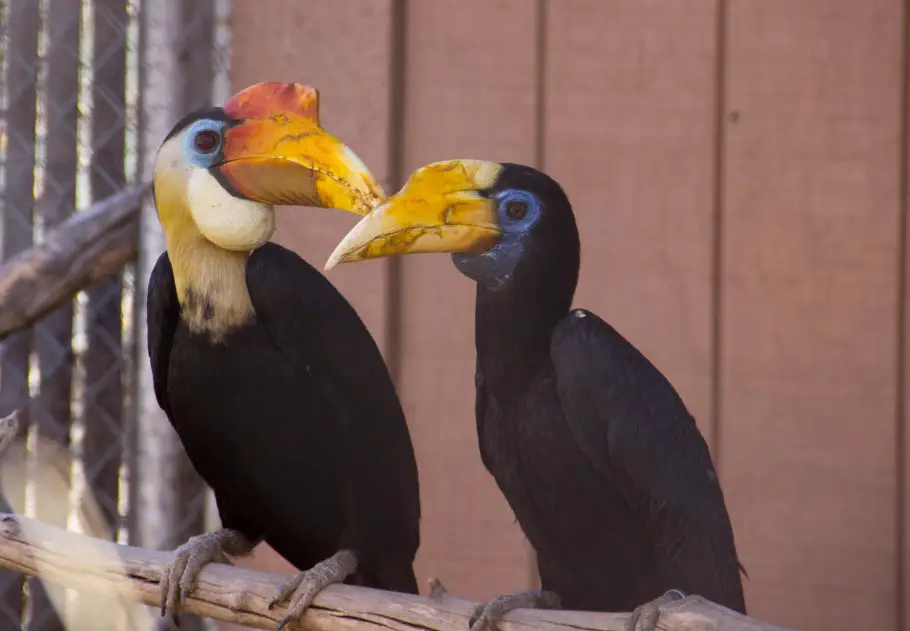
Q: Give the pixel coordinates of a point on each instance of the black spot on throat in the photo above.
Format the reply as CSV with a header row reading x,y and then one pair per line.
x,y
199,303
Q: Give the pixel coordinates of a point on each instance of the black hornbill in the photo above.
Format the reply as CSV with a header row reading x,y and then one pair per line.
x,y
273,383
594,450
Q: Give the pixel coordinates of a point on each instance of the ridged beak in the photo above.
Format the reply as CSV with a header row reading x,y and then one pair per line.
x,y
278,153
441,208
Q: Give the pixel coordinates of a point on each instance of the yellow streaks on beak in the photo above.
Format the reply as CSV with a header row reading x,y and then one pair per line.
x,y
280,154
440,209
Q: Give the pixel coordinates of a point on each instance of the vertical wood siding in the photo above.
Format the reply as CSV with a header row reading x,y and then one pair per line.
x,y
809,303
469,93
738,168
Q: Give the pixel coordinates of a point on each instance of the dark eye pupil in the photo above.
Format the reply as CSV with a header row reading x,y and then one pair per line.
x,y
516,209
206,140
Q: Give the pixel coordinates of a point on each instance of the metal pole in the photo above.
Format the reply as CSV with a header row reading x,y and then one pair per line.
x,y
221,92
156,442
176,74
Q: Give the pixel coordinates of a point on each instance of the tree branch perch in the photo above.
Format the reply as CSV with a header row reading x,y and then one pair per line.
x,y
241,596
90,247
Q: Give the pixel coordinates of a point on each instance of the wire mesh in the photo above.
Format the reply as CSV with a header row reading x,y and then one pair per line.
x,y
71,134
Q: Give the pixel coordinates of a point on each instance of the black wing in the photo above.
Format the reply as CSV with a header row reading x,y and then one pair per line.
x,y
310,321
162,316
162,319
634,427
480,415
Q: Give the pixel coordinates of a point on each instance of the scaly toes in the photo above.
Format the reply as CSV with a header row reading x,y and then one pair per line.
x,y
670,596
170,585
303,597
287,590
181,574
476,613
645,617
303,588
194,566
484,617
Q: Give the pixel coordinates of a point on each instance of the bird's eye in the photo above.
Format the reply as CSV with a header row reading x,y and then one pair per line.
x,y
206,140
516,209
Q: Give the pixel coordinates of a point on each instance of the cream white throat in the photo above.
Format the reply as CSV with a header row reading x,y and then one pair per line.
x,y
209,235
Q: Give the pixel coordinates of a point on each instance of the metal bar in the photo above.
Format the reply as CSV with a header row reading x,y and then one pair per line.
x,y
20,80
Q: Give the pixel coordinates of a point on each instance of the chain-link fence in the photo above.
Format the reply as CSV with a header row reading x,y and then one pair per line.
x,y
76,126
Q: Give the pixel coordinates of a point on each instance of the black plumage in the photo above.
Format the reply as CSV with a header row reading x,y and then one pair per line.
x,y
273,383
594,450
592,447
293,421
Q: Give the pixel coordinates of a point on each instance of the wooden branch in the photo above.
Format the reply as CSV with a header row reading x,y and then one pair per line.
x,y
241,596
92,246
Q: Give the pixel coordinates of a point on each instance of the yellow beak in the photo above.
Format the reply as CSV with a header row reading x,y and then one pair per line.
x,y
278,153
441,208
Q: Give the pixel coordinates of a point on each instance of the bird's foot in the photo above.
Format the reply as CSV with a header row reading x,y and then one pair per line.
x,y
486,615
189,559
645,616
303,588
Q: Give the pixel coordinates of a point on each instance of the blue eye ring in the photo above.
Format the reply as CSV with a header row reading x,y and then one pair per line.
x,y
517,206
205,139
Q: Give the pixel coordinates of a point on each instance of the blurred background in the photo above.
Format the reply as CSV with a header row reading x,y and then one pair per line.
x,y
739,170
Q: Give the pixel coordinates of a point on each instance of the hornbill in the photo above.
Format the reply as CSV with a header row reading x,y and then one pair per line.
x,y
273,383
594,450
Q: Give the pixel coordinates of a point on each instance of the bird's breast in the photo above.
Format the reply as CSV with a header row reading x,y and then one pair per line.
x,y
244,413
573,515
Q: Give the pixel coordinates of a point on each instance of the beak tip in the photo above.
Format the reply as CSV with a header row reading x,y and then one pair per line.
x,y
333,260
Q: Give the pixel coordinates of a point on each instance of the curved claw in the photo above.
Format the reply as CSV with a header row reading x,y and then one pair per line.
x,y
645,616
485,615
171,581
303,588
286,590
189,559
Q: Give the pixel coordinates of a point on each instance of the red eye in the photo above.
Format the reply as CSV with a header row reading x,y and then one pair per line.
x,y
207,140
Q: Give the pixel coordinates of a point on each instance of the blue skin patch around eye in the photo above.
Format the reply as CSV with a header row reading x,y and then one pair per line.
x,y
192,154
494,268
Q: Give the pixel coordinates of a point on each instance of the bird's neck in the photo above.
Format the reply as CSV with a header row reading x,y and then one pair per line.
x,y
210,281
513,328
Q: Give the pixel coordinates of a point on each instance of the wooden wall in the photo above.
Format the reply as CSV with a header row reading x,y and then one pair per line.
x,y
739,172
